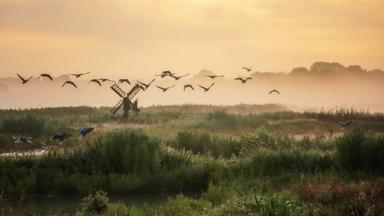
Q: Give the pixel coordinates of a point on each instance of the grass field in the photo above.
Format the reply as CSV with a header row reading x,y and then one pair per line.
x,y
206,160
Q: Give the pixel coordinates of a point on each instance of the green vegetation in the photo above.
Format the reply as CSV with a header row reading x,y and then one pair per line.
x,y
233,160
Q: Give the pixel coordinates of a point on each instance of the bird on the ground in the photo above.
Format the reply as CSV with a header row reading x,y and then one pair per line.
x,y
247,68
206,88
164,89
46,76
344,124
61,137
124,81
189,86
146,85
23,80
105,80
85,131
179,77
95,81
214,76
243,80
69,83
21,139
274,91
78,75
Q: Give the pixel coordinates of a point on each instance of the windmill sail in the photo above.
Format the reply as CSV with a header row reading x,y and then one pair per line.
x,y
118,90
117,106
133,91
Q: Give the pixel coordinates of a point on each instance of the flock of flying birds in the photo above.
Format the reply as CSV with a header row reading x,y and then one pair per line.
x,y
167,73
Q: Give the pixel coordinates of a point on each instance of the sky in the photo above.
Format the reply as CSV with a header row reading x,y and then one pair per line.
x,y
139,38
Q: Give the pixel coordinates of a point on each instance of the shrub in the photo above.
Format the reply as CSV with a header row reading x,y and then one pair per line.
x,y
28,125
96,203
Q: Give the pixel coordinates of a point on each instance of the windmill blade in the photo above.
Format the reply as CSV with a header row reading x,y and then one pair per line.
x,y
133,91
117,107
118,90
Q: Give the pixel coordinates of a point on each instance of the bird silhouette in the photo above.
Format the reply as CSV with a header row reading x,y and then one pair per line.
x,y
124,81
344,124
274,91
206,88
23,80
46,76
84,132
243,81
189,86
78,75
146,85
96,81
164,89
165,73
105,80
249,69
21,139
61,137
69,83
179,77
214,76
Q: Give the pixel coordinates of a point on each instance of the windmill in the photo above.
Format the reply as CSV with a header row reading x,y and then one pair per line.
x,y
126,101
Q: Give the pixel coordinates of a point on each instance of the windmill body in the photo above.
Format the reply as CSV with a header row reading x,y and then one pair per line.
x,y
126,100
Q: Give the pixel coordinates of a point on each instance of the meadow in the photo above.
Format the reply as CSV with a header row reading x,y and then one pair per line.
x,y
205,160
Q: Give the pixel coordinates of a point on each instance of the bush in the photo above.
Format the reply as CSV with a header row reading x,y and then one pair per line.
x,y
96,203
24,125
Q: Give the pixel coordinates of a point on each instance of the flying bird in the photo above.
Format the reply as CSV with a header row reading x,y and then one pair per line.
x,y
78,75
96,81
188,86
243,80
22,139
61,137
46,76
164,89
165,73
69,83
105,80
214,76
344,124
23,80
274,91
124,81
249,69
84,132
206,88
146,85
179,77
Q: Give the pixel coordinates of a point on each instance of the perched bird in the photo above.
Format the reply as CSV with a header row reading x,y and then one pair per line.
x,y
96,81
206,88
84,132
146,85
21,139
78,75
243,80
23,80
124,80
105,80
274,91
247,68
46,76
164,89
69,83
61,137
344,124
189,86
214,76
179,77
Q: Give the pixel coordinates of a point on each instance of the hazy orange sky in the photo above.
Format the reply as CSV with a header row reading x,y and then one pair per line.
x,y
136,38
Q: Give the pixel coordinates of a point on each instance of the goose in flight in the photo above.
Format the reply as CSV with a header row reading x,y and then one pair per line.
x,y
78,75
164,89
206,88
165,73
61,137
146,85
105,80
274,91
344,124
23,80
21,139
84,132
46,76
189,86
69,83
124,81
249,69
243,81
214,76
179,77
95,81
